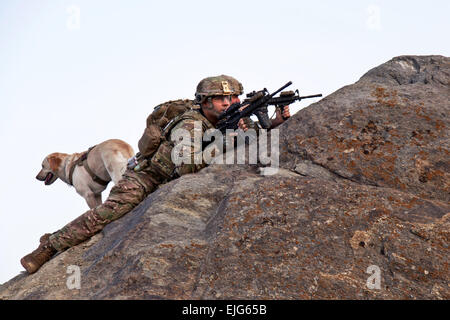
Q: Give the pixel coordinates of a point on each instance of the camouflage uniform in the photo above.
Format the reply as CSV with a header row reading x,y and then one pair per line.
x,y
155,169
132,188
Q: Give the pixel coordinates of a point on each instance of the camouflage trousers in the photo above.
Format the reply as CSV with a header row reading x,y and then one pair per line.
x,y
126,195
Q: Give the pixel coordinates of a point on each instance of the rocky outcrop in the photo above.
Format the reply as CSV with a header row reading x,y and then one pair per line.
x,y
363,196
390,129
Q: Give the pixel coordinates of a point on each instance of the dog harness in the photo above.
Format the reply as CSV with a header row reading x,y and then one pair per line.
x,y
82,161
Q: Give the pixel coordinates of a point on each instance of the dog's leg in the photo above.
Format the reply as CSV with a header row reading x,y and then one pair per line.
x,y
93,200
98,199
116,174
116,166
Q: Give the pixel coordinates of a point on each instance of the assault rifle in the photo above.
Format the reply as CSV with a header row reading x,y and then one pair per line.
x,y
256,103
288,97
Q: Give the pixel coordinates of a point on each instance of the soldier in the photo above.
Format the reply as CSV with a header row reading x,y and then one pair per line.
x,y
214,95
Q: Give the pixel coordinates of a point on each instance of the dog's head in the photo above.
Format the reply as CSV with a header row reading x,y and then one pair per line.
x,y
50,167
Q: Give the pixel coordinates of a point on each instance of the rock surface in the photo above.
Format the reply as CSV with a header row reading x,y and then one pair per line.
x,y
390,129
364,191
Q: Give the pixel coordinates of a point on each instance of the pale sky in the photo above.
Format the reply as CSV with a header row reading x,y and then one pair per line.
x,y
76,73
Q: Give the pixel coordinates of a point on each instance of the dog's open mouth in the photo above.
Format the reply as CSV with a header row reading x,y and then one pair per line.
x,y
48,178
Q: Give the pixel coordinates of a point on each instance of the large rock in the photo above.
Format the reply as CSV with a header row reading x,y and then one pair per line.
x,y
390,129
364,189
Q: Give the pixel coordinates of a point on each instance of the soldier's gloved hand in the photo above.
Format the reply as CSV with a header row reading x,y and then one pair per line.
x,y
286,113
243,124
279,118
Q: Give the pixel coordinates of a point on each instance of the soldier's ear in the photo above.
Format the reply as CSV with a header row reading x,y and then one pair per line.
x,y
54,161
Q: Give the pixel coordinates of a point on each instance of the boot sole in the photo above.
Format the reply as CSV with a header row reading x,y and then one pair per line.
x,y
30,266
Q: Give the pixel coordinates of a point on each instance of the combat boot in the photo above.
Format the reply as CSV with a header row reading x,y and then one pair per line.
x,y
33,261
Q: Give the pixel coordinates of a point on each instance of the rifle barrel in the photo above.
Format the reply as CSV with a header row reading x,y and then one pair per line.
x,y
311,96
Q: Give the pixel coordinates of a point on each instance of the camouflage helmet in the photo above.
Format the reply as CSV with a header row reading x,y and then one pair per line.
x,y
217,86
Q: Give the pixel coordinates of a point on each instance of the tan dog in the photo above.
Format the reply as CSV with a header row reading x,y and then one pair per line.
x,y
105,162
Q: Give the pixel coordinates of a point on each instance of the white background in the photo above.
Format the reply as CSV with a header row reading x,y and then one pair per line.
x,y
75,73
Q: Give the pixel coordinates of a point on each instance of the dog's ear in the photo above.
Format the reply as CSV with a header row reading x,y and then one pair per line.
x,y
54,161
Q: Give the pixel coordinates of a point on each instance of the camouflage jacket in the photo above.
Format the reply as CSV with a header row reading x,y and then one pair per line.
x,y
161,166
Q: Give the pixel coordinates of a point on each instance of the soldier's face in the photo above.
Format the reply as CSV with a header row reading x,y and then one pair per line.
x,y
216,105
235,99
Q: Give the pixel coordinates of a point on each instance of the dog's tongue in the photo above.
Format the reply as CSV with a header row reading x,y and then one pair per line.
x,y
48,177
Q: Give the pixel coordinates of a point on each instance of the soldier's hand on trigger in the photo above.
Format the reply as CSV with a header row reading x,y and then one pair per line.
x,y
242,125
279,116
